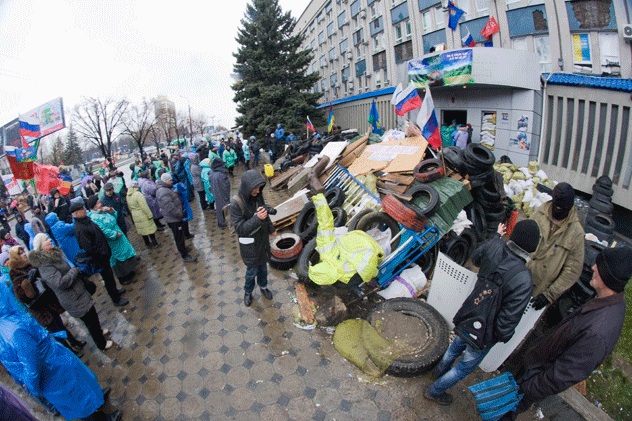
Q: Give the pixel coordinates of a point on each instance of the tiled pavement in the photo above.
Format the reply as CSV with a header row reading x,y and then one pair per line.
x,y
188,349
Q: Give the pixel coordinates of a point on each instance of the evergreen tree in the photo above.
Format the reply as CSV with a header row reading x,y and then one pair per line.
x,y
57,154
73,155
273,85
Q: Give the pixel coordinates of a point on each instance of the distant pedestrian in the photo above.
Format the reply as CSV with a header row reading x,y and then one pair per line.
x,y
20,232
147,186
230,158
205,175
59,204
198,184
142,216
220,186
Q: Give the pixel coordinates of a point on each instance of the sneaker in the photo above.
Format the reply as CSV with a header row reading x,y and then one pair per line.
x,y
121,291
189,259
121,302
248,299
443,399
188,237
266,293
106,332
108,345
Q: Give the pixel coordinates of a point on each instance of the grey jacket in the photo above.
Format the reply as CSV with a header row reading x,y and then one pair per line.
x,y
169,203
196,173
63,280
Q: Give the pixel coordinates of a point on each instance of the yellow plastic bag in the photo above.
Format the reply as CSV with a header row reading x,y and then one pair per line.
x,y
268,170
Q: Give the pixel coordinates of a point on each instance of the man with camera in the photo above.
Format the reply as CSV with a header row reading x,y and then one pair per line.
x,y
249,216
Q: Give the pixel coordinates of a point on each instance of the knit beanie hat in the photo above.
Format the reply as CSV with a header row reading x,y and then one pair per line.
x,y
563,199
92,201
526,235
615,267
166,177
38,241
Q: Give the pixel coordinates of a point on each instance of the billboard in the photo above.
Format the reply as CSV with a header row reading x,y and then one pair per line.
x,y
442,69
43,120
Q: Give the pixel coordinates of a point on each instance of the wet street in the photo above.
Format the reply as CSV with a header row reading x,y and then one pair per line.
x,y
188,349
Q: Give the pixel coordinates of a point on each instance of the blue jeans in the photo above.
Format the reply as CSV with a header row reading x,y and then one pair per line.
x,y
449,376
261,272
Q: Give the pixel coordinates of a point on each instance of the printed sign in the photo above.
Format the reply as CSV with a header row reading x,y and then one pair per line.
x,y
43,120
442,69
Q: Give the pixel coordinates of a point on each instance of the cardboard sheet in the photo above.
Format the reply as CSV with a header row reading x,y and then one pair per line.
x,y
332,150
394,156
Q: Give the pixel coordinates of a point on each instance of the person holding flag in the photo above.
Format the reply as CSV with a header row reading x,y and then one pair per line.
x,y
330,119
374,119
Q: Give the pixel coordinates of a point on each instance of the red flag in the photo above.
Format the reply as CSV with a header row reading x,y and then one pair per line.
x,y
46,178
491,27
20,170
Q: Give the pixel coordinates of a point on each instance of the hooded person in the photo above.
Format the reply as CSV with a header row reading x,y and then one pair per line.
x,y
59,205
247,155
114,200
205,165
20,231
44,367
253,227
196,175
7,241
142,216
230,158
65,235
147,186
220,187
189,179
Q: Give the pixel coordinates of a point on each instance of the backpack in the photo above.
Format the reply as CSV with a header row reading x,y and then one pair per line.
x,y
476,319
226,210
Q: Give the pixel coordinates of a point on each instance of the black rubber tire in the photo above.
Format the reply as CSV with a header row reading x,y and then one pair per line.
x,y
286,246
418,189
476,214
283,264
308,256
493,218
470,236
429,170
487,192
601,197
427,262
456,248
286,165
602,207
353,223
306,223
479,155
602,222
427,357
591,250
606,191
454,159
602,236
482,178
604,181
340,216
335,197
382,221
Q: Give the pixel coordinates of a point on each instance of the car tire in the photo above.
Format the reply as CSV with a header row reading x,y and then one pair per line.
x,y
285,246
454,159
340,216
382,221
356,218
604,181
427,356
429,170
309,256
335,197
470,236
456,248
306,224
602,222
433,203
427,262
602,236
283,264
478,155
601,206
605,190
403,214
476,214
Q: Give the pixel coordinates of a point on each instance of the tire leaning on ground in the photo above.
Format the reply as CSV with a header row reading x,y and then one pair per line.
x,y
382,221
340,216
309,256
283,264
306,223
335,197
602,222
356,218
427,355
457,249
285,246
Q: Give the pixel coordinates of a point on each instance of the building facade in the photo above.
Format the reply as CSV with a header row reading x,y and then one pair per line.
x,y
552,65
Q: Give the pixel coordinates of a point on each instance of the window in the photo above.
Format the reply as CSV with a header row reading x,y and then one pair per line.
x,y
333,79
355,8
346,73
322,85
328,8
427,4
427,20
320,17
401,30
376,26
543,48
321,37
312,44
360,68
360,49
378,42
582,58
379,61
439,17
465,6
331,29
527,21
609,53
342,19
375,8
398,33
481,6
591,14
344,45
312,26
403,52
519,44
358,36
438,37
399,13
409,29
475,27
323,61
332,54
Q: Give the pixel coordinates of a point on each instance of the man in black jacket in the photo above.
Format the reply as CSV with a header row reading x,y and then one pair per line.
x,y
114,200
59,205
92,240
253,226
570,352
492,257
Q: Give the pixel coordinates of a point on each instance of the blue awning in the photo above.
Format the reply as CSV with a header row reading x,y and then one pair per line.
x,y
615,84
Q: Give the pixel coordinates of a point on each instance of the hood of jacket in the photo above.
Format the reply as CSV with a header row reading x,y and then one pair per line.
x,y
249,180
160,183
194,158
205,163
131,191
40,257
51,219
219,165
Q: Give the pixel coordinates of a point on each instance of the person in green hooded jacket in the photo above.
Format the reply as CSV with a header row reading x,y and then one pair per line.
x,y
230,158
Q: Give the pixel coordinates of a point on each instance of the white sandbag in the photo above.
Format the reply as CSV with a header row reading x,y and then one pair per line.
x,y
509,191
460,223
541,174
526,172
383,238
516,186
528,196
543,197
408,284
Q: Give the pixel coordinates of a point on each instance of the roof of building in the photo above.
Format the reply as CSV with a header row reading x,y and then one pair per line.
x,y
612,83
372,94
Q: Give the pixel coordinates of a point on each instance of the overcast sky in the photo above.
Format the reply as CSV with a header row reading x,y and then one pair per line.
x,y
132,49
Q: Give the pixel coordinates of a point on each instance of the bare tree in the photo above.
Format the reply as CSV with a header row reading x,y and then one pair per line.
x,y
199,123
167,124
97,121
138,122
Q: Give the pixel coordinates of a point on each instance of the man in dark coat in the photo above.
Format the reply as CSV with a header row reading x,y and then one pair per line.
x,y
572,350
114,200
172,212
59,205
253,226
220,187
92,240
493,257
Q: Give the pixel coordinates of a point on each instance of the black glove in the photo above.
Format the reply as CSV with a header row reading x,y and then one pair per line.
x,y
539,302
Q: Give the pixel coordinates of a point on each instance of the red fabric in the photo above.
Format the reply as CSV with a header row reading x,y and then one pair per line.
x,y
511,222
20,170
491,27
46,178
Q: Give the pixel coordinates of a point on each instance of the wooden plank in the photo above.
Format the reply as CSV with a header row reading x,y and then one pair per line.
x,y
282,179
399,188
305,306
289,207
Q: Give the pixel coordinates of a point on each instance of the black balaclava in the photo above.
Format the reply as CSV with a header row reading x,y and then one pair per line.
x,y
563,199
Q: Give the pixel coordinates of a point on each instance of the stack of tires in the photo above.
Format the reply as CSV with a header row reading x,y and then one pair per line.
x,y
599,218
306,224
477,162
285,250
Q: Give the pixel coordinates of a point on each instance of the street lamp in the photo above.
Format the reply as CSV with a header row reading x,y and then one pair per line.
x,y
190,122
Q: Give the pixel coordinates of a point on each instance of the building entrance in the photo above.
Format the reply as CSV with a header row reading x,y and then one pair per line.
x,y
459,115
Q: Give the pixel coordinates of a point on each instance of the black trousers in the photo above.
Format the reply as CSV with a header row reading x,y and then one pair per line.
x,y
91,320
178,230
57,325
110,283
203,201
150,239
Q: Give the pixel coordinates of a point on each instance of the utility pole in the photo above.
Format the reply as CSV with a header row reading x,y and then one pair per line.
x,y
190,121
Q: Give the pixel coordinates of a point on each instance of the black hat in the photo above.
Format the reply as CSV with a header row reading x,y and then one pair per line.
x,y
53,191
3,232
108,186
563,199
75,206
92,200
615,267
526,235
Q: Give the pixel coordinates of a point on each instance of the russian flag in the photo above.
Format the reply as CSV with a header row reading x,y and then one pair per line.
x,y
467,40
30,128
405,100
427,121
309,125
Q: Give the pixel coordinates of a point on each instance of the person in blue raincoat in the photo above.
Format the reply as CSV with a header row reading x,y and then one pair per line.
x,y
45,367
189,183
206,180
279,133
182,190
65,235
246,148
29,230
